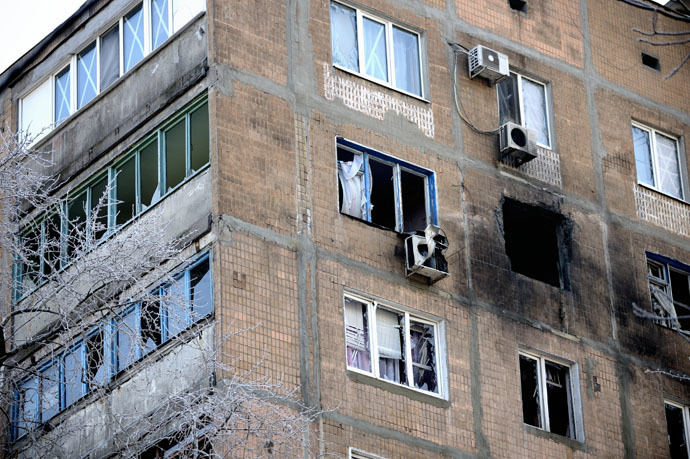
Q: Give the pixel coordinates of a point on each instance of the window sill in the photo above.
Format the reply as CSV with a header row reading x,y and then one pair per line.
x,y
414,394
569,442
385,84
650,188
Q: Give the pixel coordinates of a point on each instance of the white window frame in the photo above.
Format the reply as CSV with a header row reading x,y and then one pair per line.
x,y
354,453
439,343
521,105
653,133
390,57
72,61
686,422
665,284
575,401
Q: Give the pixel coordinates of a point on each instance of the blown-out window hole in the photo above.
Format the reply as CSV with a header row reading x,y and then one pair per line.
x,y
534,239
650,61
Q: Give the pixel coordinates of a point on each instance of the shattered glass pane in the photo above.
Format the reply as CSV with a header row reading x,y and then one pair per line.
x,y
95,368
148,165
529,383
125,345
175,147
357,335
126,191
150,325
508,108
423,356
344,37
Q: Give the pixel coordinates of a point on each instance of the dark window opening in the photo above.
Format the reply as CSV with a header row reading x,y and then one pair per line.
x,y
561,419
680,289
151,336
95,363
412,189
651,62
382,194
518,5
126,191
532,243
677,441
531,413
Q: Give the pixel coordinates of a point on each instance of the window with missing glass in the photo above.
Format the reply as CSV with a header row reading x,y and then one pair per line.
x,y
525,101
384,190
550,395
669,288
677,424
376,48
658,161
394,345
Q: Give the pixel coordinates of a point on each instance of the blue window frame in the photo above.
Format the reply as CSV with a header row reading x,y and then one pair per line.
x,y
384,190
113,346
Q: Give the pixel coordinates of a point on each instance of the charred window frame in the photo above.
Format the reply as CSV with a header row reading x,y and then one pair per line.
x,y
669,289
550,395
111,347
537,242
395,345
677,425
104,59
383,190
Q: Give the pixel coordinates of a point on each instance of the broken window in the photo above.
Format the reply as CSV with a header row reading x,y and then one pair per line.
x,y
376,48
657,161
534,240
677,421
391,344
524,101
548,401
125,331
383,190
50,391
669,287
150,324
26,408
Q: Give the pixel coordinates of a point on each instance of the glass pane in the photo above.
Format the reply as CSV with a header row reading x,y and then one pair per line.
x,y
357,335
76,214
110,56
175,167
534,99
529,383
87,76
560,402
669,170
200,290
160,29
185,10
27,409
95,367
126,191
344,36
412,191
406,54
176,307
508,105
382,194
126,334
50,392
643,158
199,134
62,96
99,208
74,377
389,332
51,244
148,162
423,356
676,432
31,275
150,325
375,59
133,37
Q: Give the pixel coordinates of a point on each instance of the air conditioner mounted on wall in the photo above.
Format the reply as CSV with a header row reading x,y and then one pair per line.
x,y
424,255
517,143
487,63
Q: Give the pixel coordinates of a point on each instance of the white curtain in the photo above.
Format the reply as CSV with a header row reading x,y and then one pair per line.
x,y
352,181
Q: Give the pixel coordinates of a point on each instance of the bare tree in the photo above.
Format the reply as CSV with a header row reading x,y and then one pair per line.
x,y
658,37
109,342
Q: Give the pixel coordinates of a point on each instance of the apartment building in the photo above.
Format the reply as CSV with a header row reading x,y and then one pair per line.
x,y
460,227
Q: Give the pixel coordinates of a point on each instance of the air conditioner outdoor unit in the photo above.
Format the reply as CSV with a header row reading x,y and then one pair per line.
x,y
424,255
517,143
489,64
